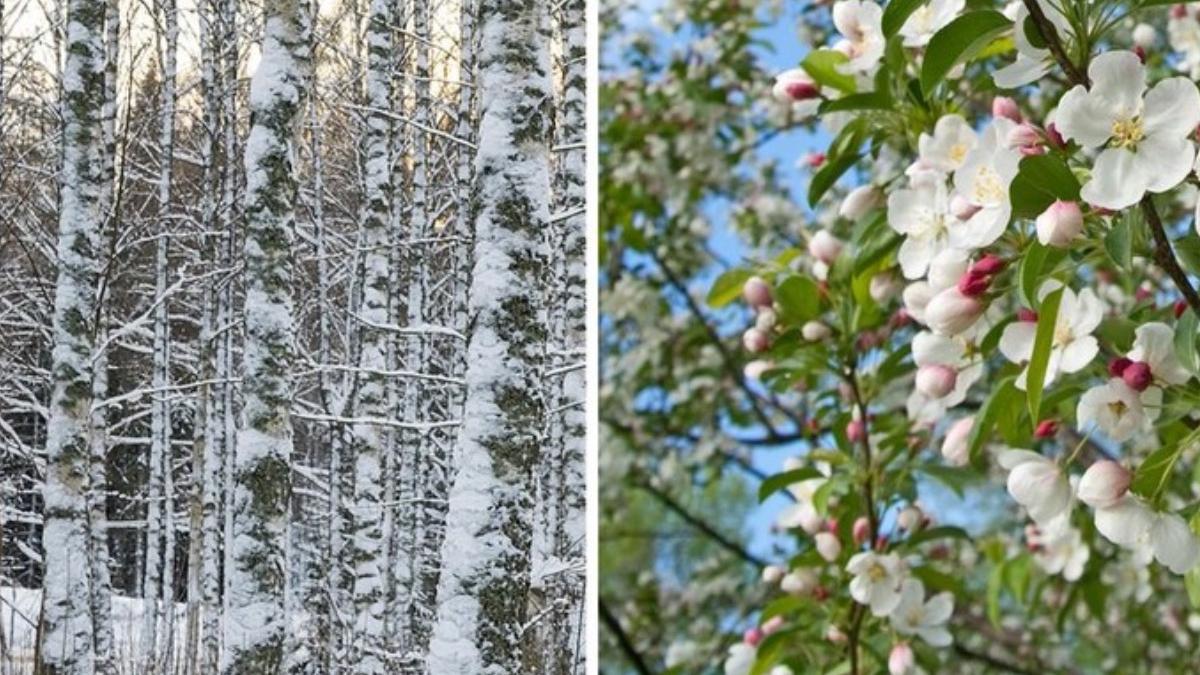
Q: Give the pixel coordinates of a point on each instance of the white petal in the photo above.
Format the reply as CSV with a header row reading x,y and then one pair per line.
x,y
936,637
1172,108
860,590
1118,80
929,348
1166,160
1016,342
1014,457
1126,523
1155,344
1117,180
1020,72
1041,488
1078,354
982,229
1174,544
884,599
1081,118
1089,312
914,255
939,608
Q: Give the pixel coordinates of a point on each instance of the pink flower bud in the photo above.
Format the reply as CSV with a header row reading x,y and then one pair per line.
x,y
772,574
1179,11
1032,150
1055,136
1003,106
1103,484
901,660
794,85
757,292
859,202
988,265
951,312
815,331
1027,315
973,285
835,635
814,160
828,546
909,518
1142,294
756,368
1145,36
1141,52
825,247
772,625
755,340
1060,224
1024,136
954,445
1045,429
963,209
1116,367
1138,376
936,380
856,431
752,636
765,321
861,530
799,582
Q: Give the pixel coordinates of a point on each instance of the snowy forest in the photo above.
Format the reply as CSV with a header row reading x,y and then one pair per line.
x,y
292,319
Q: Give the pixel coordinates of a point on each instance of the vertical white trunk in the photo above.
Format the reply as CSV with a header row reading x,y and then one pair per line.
x,y
67,631
485,558
255,587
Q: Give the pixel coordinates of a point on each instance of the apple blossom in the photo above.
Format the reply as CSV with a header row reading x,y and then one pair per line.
x,y
883,287
1072,347
913,615
752,636
794,85
828,546
1165,536
755,340
1154,345
757,292
945,149
1116,409
740,660
772,625
825,247
936,380
835,635
1137,375
860,201
1103,484
928,19
901,660
1005,107
1045,429
909,518
766,319
1183,34
984,179
961,208
815,331
1032,61
876,582
1146,132
780,670
861,530
950,312
954,445
772,574
859,22
1023,136
1060,224
1060,549
756,368
1037,483
1145,36
799,582
856,430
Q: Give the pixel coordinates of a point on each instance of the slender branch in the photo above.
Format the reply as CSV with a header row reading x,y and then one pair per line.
x,y
992,661
631,652
1050,36
1164,255
708,530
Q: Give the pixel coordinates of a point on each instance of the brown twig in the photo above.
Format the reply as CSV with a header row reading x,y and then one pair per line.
x,y
1050,36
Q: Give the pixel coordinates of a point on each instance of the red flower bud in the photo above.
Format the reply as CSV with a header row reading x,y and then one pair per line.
x,y
987,265
1138,376
1116,367
1026,314
972,285
856,431
1046,429
1180,307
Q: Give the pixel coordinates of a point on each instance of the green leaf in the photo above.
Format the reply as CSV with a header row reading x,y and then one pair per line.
x,y
994,585
1188,250
780,481
1004,398
896,13
822,66
871,100
954,478
941,532
1036,264
937,581
1043,342
1191,580
798,299
727,287
1153,473
770,649
1119,243
1185,341
1040,180
828,175
960,40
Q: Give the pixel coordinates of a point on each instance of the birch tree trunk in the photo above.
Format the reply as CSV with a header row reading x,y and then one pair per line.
x,y
371,402
485,558
255,587
67,632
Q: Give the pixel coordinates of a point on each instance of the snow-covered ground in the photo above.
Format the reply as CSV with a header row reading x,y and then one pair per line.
x,y
19,609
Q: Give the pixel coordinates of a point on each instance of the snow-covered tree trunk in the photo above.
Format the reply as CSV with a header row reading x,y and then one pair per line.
x,y
67,630
255,624
370,552
485,558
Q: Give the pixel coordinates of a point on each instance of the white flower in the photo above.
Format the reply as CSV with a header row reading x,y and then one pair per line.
x,y
1037,483
1073,346
1155,345
815,331
1147,136
859,22
945,269
795,85
1117,410
1032,62
954,445
1061,549
825,247
955,354
1145,36
681,653
741,659
946,149
984,179
828,546
914,616
901,660
859,202
929,19
772,574
876,581
922,214
1131,524
951,312
1103,484
799,581
803,513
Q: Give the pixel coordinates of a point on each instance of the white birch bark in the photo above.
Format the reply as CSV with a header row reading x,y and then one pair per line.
x,y
485,558
255,623
67,631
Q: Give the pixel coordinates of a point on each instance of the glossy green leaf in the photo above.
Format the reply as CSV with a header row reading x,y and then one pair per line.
x,y
781,481
822,66
1004,397
1036,265
1152,474
798,299
727,287
1185,341
1040,180
1043,342
895,13
1119,242
960,40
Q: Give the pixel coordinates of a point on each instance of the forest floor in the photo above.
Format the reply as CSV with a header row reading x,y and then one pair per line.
x,y
19,609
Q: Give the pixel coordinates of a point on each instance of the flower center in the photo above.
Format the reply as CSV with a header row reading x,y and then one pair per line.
x,y
914,617
1117,408
957,152
988,188
1127,133
1062,335
876,572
